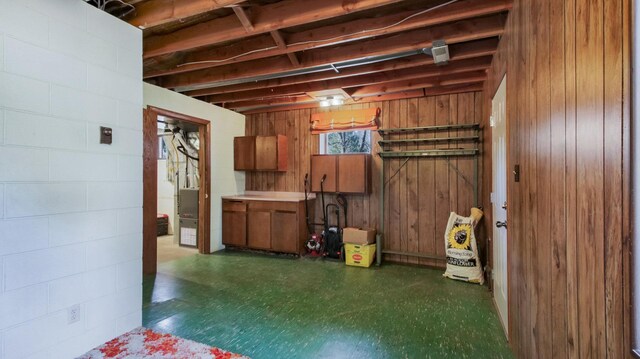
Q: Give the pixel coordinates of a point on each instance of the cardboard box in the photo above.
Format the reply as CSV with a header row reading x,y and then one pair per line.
x,y
359,235
359,255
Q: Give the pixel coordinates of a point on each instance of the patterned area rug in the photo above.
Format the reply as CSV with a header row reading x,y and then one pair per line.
x,y
145,343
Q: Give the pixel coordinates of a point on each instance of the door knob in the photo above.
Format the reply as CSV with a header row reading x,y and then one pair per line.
x,y
501,224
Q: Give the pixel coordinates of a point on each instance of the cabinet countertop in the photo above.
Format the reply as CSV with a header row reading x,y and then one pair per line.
x,y
269,196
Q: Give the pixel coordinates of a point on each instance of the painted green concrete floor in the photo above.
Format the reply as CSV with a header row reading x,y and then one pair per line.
x,y
266,306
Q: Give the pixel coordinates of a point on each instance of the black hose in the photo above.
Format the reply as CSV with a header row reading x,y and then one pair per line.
x,y
342,201
324,211
306,202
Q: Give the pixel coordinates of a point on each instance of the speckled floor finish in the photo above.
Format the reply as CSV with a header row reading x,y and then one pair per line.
x,y
272,307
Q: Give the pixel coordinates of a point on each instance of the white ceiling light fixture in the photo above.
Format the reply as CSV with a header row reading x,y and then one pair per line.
x,y
332,101
337,101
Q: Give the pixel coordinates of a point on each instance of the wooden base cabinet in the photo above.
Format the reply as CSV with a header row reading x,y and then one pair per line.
x,y
264,225
285,238
259,229
234,218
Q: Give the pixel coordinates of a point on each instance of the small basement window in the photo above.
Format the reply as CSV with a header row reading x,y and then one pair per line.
x,y
335,143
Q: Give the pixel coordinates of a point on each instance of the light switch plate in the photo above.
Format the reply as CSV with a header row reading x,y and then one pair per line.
x,y
106,135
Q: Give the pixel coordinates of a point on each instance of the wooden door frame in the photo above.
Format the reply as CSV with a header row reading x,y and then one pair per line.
x,y
150,184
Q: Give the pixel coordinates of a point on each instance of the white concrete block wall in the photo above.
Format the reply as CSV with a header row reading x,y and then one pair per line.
x,y
70,208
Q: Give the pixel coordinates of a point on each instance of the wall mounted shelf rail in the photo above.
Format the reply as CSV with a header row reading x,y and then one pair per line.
x,y
445,153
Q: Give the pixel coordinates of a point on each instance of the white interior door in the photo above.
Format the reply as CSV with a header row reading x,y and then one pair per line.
x,y
499,201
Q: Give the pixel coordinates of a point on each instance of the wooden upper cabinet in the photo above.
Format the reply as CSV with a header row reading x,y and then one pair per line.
x,y
266,153
324,165
260,153
345,173
353,173
244,153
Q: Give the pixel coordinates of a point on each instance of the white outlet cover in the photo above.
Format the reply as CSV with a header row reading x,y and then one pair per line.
x,y
73,314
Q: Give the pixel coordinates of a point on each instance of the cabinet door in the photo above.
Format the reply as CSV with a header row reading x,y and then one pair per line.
x,y
353,173
234,228
283,153
284,232
259,229
266,153
244,151
321,165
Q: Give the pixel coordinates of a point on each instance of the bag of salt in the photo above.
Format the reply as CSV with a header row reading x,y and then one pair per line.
x,y
461,248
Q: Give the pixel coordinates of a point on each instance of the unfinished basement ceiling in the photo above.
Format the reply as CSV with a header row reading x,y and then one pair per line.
x,y
265,55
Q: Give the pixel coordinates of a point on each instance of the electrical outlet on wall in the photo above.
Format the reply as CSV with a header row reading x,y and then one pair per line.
x,y
73,314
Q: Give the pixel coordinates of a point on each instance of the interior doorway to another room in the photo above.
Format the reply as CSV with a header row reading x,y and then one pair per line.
x,y
499,203
176,187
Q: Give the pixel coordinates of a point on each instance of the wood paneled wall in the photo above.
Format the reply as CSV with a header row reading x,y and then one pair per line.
x,y
419,198
567,65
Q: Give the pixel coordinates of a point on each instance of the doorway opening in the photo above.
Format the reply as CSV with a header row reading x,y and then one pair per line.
x,y
499,203
176,180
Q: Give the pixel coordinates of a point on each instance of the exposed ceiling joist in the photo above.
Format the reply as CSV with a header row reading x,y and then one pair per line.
x,y
359,29
272,101
416,83
277,55
243,16
356,81
275,16
480,50
461,31
259,107
158,12
452,33
282,45
448,82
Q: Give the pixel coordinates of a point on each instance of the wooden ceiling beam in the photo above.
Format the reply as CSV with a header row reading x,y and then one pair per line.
x,y
282,45
435,91
452,33
458,52
288,100
349,31
260,107
358,81
453,89
158,12
270,17
422,82
461,31
243,16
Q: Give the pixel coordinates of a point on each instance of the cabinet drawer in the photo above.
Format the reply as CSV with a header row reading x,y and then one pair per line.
x,y
273,206
234,206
